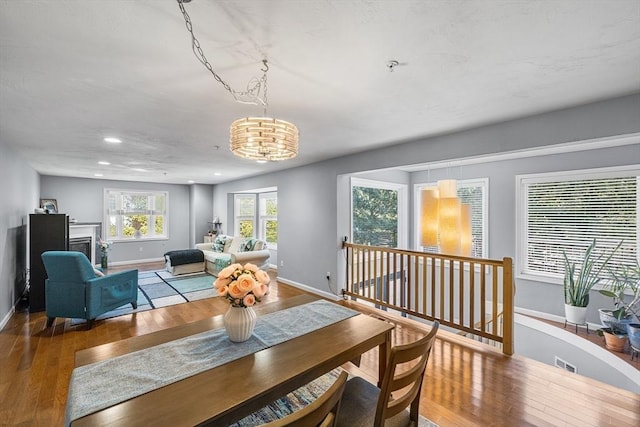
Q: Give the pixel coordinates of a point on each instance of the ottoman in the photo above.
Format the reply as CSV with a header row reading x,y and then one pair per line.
x,y
184,261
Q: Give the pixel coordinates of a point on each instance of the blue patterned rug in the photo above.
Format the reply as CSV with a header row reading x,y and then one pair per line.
x,y
161,289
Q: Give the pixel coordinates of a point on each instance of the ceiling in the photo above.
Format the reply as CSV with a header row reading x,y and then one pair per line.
x,y
74,71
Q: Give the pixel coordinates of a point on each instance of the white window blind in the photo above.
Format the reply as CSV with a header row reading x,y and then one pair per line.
x,y
473,193
566,212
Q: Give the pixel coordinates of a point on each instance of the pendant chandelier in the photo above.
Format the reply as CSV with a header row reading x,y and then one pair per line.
x,y
445,221
262,139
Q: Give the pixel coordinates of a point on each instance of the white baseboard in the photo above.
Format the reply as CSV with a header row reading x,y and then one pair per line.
x,y
6,318
307,288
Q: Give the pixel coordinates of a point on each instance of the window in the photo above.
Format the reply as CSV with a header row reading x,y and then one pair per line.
x,y
470,192
131,214
245,213
474,193
377,213
268,203
566,211
265,215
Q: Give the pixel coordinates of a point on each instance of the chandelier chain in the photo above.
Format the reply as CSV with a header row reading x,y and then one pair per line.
x,y
266,103
257,138
254,85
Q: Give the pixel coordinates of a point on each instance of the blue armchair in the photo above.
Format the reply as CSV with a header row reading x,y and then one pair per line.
x,y
73,290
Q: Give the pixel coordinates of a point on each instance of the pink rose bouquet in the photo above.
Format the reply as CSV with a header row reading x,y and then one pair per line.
x,y
243,286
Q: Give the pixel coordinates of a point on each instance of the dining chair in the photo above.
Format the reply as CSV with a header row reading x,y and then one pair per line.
x,y
364,404
322,412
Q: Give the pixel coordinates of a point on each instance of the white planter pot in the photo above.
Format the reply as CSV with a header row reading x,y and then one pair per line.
x,y
575,315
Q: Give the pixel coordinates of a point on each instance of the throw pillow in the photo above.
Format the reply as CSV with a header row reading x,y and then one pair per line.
x,y
218,243
248,245
98,273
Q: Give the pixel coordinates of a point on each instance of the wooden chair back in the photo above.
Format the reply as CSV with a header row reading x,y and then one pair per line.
x,y
403,378
322,412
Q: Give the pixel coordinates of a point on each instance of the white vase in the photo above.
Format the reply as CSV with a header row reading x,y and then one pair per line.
x,y
239,323
575,315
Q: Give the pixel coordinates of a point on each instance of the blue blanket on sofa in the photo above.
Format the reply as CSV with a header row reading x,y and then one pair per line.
x,y
185,256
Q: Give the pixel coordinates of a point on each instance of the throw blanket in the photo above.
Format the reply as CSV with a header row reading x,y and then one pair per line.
x,y
103,384
185,256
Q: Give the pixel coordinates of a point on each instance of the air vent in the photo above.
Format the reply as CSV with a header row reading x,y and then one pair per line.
x,y
563,364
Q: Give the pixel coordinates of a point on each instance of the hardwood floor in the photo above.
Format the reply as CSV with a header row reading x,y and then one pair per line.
x,y
466,384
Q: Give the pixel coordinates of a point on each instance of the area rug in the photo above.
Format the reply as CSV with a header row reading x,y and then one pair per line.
x,y
162,289
298,399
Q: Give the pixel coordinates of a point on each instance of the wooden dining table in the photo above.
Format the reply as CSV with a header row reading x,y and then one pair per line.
x,y
229,392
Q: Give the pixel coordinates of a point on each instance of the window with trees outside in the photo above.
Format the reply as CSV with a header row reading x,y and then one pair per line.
x,y
131,214
378,213
245,214
257,208
473,192
564,212
268,205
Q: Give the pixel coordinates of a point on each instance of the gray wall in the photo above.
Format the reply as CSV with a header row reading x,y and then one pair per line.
x,y
201,205
542,342
313,210
19,195
82,199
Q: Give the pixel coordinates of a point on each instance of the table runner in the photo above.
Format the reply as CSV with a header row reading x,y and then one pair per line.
x,y
103,384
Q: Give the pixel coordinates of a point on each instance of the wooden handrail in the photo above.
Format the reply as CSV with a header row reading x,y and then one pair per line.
x,y
467,294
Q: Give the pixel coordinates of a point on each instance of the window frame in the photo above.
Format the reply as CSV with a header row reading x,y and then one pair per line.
x,y
237,218
483,183
522,217
120,214
403,209
259,221
263,219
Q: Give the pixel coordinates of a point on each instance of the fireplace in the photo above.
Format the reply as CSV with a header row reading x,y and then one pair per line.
x,y
81,244
83,238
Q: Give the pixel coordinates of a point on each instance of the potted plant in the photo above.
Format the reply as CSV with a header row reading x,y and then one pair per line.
x,y
614,339
577,283
624,289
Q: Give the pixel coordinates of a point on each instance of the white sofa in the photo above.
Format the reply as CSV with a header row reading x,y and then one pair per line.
x,y
218,255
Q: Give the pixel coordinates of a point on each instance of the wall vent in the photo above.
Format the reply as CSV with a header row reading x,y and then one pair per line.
x,y
563,364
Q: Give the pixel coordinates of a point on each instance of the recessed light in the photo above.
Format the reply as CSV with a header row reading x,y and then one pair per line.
x,y
113,140
97,174
139,170
217,174
102,162
261,161
191,181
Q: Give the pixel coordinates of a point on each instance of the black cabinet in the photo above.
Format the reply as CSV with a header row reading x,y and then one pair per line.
x,y
48,232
